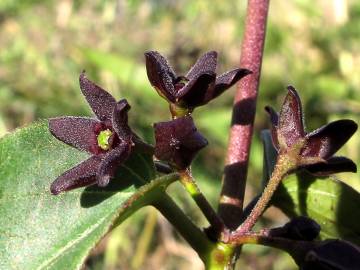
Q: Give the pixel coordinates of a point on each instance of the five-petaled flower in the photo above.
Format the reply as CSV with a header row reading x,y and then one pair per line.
x,y
178,141
199,86
108,138
314,151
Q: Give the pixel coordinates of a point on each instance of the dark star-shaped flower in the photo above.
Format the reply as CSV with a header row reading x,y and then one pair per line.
x,y
178,141
107,138
317,147
199,86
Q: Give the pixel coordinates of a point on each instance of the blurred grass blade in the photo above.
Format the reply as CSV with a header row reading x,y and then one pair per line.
x,y
332,203
42,231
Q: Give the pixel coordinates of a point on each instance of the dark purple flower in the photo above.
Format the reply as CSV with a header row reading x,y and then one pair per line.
x,y
298,228
332,254
317,147
178,141
199,86
108,138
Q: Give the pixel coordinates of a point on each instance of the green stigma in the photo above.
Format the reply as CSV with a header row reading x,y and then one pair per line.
x,y
103,139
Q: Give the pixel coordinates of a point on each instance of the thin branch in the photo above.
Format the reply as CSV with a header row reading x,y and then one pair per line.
x,y
232,194
281,169
187,229
187,180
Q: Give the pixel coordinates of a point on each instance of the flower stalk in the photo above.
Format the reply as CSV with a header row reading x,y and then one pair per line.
x,y
187,180
184,226
283,166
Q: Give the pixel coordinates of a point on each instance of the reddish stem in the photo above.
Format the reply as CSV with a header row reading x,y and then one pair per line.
x,y
232,194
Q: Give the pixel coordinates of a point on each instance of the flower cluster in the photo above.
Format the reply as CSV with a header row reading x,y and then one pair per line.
x,y
110,141
108,137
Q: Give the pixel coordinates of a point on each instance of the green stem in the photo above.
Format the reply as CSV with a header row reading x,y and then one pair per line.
x,y
282,167
220,257
191,187
187,229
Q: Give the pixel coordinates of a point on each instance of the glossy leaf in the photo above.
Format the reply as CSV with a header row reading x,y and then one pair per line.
x,y
42,231
331,203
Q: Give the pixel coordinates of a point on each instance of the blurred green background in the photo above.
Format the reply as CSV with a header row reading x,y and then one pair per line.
x,y
44,45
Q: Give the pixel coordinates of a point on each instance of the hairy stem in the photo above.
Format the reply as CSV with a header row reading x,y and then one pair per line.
x,y
282,167
296,248
232,194
191,187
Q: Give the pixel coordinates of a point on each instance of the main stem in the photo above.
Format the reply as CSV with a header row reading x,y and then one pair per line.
x,y
232,194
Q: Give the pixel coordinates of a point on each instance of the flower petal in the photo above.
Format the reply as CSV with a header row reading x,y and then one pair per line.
x,y
100,101
331,166
291,127
331,254
178,141
111,162
120,120
82,175
160,74
274,118
328,139
205,64
298,228
197,91
228,79
75,131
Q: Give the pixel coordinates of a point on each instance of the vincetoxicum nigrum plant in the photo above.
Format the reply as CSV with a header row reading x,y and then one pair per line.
x,y
110,143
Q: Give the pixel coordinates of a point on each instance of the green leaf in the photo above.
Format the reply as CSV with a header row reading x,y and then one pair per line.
x,y
42,231
332,203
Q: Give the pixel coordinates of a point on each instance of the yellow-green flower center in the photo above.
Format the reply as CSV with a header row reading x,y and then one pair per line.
x,y
103,139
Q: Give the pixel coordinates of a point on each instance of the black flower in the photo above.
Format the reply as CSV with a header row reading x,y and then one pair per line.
x,y
298,228
332,254
199,86
178,141
316,149
108,138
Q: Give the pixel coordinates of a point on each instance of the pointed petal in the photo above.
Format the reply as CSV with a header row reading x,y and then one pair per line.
x,y
331,254
291,127
120,120
111,162
333,165
100,101
298,228
274,118
75,131
205,64
197,91
328,139
228,79
160,74
82,175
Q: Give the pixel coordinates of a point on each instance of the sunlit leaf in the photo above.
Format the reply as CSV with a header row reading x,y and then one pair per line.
x,y
42,231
